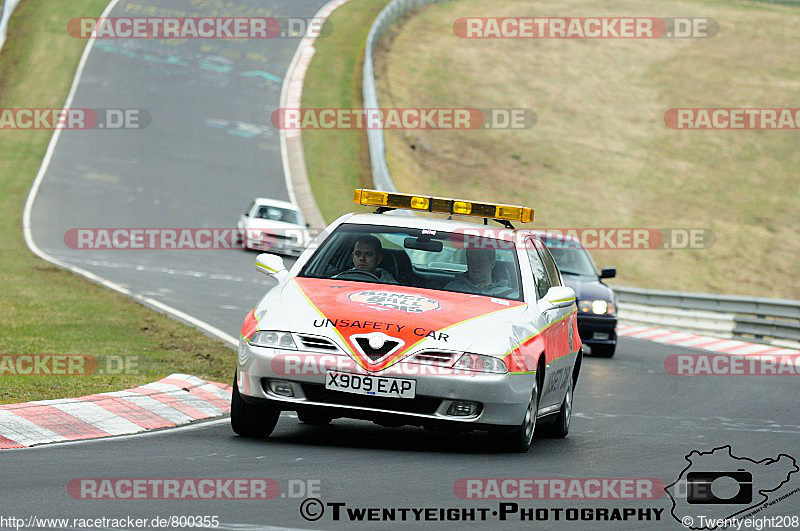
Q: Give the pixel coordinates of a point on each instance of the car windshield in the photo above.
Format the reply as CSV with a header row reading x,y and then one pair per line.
x,y
274,213
571,257
419,258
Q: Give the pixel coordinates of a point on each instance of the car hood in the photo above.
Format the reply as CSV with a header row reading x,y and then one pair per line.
x,y
411,319
589,288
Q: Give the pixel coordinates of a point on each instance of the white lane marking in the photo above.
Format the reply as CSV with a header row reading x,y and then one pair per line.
x,y
146,300
166,271
37,182
25,432
293,88
5,16
100,418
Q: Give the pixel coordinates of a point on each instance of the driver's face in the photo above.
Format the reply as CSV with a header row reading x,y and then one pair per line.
x,y
365,257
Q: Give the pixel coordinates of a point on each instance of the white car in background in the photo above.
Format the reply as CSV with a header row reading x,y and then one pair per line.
x,y
275,226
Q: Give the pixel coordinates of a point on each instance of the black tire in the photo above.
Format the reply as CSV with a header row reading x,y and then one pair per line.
x,y
560,426
313,417
520,438
250,420
603,351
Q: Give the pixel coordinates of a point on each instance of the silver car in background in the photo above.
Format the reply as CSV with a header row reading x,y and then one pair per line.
x,y
274,226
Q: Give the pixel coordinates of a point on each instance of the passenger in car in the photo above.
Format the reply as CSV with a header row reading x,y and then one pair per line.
x,y
479,277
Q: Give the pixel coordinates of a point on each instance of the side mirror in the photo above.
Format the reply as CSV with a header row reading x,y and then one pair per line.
x,y
246,214
272,265
608,272
560,296
308,225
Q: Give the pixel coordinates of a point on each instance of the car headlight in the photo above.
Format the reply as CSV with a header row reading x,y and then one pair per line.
x,y
478,362
597,307
273,339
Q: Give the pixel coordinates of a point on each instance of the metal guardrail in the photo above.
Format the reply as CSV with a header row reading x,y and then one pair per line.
x,y
717,315
381,178
729,315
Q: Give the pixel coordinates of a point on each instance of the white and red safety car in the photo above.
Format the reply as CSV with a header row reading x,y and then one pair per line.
x,y
414,320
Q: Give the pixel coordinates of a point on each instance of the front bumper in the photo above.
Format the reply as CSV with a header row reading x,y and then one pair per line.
x,y
503,398
288,247
597,329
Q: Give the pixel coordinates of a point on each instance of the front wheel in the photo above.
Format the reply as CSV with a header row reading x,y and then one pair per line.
x,y
520,438
251,420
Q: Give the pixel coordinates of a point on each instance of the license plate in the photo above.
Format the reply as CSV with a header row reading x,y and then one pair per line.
x,y
600,335
361,384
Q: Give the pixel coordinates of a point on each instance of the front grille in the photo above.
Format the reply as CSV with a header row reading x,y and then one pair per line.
x,y
375,354
433,357
317,343
420,404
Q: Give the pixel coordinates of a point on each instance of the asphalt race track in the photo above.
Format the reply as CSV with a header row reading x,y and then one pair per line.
x,y
632,420
194,167
209,149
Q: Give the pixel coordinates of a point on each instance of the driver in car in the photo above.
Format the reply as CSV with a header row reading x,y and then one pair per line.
x,y
367,256
479,278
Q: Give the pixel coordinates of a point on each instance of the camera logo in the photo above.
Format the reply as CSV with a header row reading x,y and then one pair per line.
x,y
700,487
717,485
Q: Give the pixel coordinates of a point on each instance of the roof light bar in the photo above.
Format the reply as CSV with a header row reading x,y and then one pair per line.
x,y
442,205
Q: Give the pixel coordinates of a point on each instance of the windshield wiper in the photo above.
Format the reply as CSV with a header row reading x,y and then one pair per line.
x,y
573,273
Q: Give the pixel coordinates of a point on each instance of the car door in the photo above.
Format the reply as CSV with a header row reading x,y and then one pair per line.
x,y
556,335
548,316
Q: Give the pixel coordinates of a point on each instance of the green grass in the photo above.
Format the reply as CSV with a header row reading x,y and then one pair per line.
x,y
44,310
338,160
600,154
